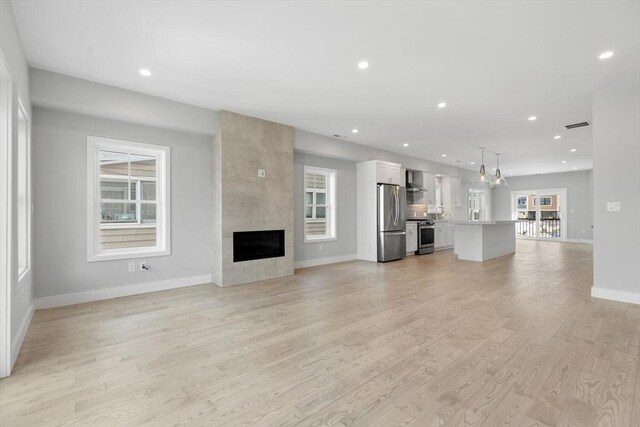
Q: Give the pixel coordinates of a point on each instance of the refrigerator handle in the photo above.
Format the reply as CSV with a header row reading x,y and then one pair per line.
x,y
397,206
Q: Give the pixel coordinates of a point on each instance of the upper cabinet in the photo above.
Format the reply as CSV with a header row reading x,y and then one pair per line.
x,y
390,173
429,184
451,191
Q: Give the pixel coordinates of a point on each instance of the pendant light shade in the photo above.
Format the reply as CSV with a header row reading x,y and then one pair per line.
x,y
498,179
482,178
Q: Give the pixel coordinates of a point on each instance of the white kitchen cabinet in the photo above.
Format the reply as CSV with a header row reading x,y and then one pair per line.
x,y
412,237
451,191
443,235
429,184
389,173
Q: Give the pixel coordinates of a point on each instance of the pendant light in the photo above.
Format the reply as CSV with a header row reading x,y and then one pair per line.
x,y
482,178
498,179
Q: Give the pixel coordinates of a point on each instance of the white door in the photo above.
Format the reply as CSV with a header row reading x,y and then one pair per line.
x,y
542,214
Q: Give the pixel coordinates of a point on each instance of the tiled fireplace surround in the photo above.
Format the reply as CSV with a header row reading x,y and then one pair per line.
x,y
243,201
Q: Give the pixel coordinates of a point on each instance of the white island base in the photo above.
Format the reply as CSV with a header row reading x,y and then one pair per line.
x,y
484,240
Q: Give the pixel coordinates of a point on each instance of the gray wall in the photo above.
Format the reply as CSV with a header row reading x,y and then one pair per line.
x,y
579,198
616,178
66,93
60,195
11,48
345,244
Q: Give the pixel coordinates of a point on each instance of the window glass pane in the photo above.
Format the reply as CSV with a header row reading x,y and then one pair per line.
x,y
143,166
320,212
148,213
23,192
321,182
114,163
118,213
310,180
148,190
321,198
308,198
116,190
309,212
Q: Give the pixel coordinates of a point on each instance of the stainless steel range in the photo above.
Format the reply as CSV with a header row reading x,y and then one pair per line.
x,y
426,237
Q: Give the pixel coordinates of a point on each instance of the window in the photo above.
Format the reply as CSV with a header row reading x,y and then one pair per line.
x,y
319,204
24,196
522,202
128,194
545,201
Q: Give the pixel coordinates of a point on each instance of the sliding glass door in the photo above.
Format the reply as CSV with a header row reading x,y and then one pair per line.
x,y
541,214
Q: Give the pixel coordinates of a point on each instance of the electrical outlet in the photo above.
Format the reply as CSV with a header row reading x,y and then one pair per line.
x,y
262,173
132,267
614,206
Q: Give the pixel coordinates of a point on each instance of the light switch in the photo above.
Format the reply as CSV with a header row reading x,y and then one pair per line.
x,y
262,173
614,206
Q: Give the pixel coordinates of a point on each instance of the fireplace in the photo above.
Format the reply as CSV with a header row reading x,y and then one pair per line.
x,y
250,245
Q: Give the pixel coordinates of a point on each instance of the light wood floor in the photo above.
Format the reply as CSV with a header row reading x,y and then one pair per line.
x,y
426,341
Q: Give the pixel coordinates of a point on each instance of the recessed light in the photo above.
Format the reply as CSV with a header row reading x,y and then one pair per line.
x,y
472,163
144,72
442,104
557,137
363,65
444,155
564,161
532,118
354,130
573,150
405,145
575,168
606,55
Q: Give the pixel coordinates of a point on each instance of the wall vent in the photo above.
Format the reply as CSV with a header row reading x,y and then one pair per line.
x,y
577,125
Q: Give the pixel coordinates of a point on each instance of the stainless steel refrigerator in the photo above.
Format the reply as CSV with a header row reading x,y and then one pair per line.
x,y
392,235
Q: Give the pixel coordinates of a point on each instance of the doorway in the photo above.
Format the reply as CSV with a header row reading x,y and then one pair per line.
x,y
541,214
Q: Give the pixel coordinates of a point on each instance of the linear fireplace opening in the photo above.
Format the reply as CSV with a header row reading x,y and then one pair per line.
x,y
250,245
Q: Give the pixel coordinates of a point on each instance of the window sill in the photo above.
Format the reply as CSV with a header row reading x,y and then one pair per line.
x,y
319,239
128,255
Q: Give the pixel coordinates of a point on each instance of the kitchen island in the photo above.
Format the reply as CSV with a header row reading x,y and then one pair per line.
x,y
484,240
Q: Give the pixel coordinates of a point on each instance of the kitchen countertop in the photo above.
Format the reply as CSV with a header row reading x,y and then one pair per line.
x,y
510,221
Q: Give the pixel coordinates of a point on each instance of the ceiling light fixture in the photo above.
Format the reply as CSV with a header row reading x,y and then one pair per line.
x,y
498,179
354,131
564,161
405,145
482,178
575,168
573,150
144,72
606,55
363,65
557,137
472,163
532,118
444,155
442,104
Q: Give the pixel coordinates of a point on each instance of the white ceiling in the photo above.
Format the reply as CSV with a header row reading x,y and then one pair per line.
x,y
494,63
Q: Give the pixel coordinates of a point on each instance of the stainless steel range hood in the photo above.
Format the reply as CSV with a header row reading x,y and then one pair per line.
x,y
415,182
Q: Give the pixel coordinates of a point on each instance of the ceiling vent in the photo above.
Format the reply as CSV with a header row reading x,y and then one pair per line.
x,y
577,125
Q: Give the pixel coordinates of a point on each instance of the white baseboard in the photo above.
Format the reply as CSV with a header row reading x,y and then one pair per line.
x,y
16,343
613,295
323,261
120,291
587,241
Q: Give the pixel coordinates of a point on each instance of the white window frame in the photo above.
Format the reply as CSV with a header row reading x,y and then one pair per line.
x,y
331,207
26,171
163,200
